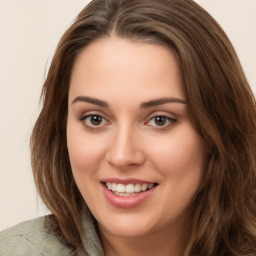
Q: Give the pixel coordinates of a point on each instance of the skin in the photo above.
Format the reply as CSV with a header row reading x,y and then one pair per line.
x,y
128,142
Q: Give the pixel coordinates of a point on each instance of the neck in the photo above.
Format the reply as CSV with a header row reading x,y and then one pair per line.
x,y
168,243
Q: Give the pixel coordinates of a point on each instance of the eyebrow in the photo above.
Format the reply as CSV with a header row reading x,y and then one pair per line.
x,y
91,100
157,102
144,105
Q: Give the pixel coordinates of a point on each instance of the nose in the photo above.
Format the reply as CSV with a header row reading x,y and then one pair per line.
x,y
125,149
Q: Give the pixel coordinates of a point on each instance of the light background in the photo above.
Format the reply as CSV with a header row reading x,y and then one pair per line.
x,y
29,32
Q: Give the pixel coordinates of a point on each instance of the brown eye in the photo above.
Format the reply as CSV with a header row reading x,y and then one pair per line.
x,y
95,120
161,121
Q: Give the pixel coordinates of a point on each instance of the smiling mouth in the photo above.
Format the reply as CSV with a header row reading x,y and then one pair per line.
x,y
129,189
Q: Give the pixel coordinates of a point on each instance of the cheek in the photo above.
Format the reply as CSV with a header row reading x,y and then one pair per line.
x,y
182,154
85,155
85,151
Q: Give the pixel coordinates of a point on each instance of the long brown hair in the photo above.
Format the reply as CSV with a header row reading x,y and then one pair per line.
x,y
222,110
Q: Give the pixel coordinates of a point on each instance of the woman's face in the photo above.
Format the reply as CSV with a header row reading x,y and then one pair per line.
x,y
135,156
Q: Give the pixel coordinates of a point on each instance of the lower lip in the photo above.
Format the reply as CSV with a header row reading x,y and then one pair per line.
x,y
127,201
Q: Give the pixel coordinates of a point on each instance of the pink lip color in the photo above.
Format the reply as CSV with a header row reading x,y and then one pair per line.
x,y
126,201
126,181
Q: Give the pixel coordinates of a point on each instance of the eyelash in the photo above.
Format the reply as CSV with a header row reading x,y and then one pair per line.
x,y
87,121
91,126
166,119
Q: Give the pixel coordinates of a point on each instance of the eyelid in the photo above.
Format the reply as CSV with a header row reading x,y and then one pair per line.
x,y
171,117
161,113
85,115
168,116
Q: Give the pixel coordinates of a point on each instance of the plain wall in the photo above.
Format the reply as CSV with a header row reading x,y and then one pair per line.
x,y
30,31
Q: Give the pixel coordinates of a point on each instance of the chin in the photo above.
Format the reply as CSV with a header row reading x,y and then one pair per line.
x,y
128,227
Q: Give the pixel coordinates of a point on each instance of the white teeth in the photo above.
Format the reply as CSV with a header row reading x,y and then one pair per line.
x,y
137,188
120,188
114,187
149,186
129,189
125,194
109,185
144,187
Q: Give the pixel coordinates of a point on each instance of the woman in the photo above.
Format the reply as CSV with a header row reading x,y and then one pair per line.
x,y
146,141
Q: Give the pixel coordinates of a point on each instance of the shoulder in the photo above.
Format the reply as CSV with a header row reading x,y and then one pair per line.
x,y
31,238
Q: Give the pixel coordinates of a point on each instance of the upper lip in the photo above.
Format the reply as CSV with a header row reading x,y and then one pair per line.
x,y
126,181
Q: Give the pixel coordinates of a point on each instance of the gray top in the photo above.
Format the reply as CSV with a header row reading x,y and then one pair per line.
x,y
31,238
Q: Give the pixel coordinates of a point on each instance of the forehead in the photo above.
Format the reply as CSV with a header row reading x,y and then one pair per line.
x,y
119,66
